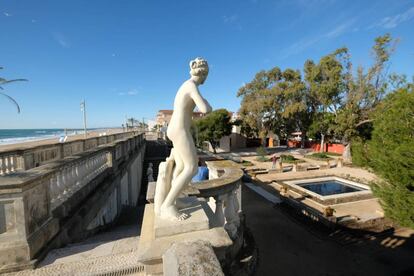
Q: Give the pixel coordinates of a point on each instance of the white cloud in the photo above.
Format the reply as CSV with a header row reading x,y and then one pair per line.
x,y
391,22
303,44
131,92
6,14
61,39
230,19
340,29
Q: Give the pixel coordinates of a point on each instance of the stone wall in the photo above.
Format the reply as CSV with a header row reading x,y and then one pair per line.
x,y
63,201
21,159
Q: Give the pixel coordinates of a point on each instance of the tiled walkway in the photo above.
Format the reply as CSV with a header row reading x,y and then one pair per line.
x,y
123,239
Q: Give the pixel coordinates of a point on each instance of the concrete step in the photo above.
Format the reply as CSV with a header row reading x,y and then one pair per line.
x,y
122,239
118,264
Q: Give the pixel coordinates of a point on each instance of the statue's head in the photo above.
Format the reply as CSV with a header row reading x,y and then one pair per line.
x,y
199,69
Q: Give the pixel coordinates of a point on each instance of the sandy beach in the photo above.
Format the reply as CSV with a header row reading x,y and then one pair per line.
x,y
30,144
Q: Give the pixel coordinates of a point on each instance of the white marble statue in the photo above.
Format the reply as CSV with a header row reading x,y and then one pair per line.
x,y
150,173
176,173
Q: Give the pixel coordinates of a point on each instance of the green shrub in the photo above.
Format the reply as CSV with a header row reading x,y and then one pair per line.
x,y
333,154
391,151
261,151
247,163
287,158
262,159
261,154
359,152
320,155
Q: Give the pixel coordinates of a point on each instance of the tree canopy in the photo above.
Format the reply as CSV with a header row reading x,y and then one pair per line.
x,y
213,127
331,99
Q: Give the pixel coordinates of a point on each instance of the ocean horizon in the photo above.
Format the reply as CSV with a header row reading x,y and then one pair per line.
x,y
13,136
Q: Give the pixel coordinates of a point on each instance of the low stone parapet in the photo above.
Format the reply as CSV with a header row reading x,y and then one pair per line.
x,y
25,158
34,202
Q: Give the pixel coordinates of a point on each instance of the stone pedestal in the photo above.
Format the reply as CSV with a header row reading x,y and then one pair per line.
x,y
191,258
157,235
196,221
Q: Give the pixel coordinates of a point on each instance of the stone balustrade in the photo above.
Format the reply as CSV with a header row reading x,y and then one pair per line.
x,y
71,177
33,201
8,163
223,193
26,158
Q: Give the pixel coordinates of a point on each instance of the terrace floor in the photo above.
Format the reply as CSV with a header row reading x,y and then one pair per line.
x,y
294,245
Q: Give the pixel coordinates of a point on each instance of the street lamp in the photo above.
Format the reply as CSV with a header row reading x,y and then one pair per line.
x,y
83,109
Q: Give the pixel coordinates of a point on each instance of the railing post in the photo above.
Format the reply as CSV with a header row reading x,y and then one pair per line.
x,y
218,213
231,213
2,166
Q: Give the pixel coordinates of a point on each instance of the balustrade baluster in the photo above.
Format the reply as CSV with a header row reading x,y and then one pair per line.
x,y
64,183
13,162
93,168
231,214
81,173
59,185
218,213
87,170
7,164
71,180
53,191
2,166
102,163
78,175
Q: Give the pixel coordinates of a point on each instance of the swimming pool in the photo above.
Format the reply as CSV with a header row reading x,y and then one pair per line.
x,y
330,187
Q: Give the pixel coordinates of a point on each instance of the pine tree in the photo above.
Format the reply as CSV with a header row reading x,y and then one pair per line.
x,y
391,154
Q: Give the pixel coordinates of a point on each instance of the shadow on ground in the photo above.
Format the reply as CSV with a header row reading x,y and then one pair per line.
x,y
290,244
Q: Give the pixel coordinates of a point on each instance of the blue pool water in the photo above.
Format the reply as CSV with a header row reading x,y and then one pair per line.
x,y
331,187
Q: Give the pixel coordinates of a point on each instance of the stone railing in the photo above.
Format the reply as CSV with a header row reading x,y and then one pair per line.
x,y
21,159
8,162
33,201
72,176
223,193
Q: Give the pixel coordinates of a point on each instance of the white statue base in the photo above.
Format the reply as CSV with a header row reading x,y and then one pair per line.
x,y
152,247
197,220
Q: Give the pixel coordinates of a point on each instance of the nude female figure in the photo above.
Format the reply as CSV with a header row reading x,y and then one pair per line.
x,y
184,152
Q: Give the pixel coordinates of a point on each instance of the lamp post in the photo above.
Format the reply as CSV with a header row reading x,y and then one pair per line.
x,y
83,109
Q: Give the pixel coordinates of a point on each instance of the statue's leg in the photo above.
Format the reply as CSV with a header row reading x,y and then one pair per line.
x,y
185,149
163,182
179,165
160,189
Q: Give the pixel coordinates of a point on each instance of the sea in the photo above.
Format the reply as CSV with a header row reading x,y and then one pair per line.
x,y
13,136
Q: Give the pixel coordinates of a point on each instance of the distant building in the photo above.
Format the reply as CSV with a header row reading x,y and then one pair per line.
x,y
164,116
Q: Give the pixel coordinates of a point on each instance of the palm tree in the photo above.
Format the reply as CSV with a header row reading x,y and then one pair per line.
x,y
4,81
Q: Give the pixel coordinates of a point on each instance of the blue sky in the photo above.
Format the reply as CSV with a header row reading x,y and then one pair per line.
x,y
130,57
